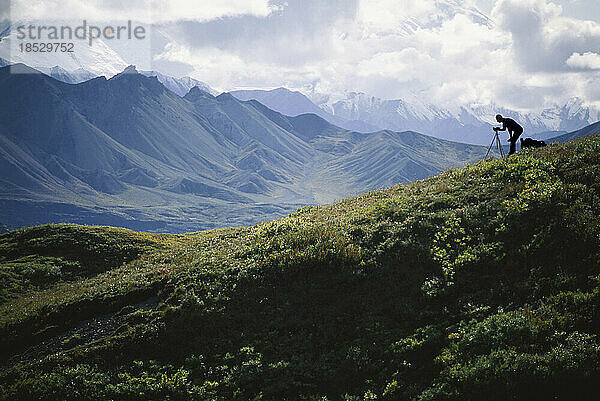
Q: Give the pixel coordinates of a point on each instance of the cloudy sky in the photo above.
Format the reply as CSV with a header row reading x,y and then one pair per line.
x,y
519,53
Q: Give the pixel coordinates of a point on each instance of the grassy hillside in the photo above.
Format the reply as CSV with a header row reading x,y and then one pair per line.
x,y
480,283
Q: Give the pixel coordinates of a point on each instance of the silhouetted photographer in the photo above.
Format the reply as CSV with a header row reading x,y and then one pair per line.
x,y
513,128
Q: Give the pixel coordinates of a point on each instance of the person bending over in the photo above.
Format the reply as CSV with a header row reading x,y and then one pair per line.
x,y
513,128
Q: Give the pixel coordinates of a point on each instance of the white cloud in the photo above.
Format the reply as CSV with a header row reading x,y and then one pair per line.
x,y
444,50
590,87
399,65
459,57
177,10
395,16
542,38
585,61
147,11
224,70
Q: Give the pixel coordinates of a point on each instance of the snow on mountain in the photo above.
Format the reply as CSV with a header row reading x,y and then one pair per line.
x,y
104,57
431,14
570,116
294,103
71,77
411,114
360,106
462,123
98,59
181,86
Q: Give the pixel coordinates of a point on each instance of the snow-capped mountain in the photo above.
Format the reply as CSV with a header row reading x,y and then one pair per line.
x,y
397,115
571,116
294,103
71,77
98,59
464,123
102,58
182,85
567,117
178,85
87,62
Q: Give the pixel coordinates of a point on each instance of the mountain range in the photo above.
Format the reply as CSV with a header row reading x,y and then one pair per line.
x,y
294,103
357,111
178,85
352,110
468,124
127,151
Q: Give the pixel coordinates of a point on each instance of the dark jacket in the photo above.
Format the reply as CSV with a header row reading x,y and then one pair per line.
x,y
512,126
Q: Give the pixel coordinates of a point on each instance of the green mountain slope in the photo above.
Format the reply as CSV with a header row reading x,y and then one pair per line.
x,y
479,283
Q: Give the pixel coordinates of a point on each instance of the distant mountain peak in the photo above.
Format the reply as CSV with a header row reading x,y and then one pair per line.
x,y
128,72
20,68
130,69
281,89
197,93
226,96
58,68
179,85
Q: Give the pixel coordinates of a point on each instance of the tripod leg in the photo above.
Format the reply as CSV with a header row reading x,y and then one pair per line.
x,y
489,149
499,145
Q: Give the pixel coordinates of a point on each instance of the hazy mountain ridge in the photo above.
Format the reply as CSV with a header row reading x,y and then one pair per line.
x,y
179,85
470,124
361,112
198,161
586,131
294,103
467,124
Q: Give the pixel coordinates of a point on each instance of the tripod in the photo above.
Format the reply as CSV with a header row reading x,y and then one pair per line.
x,y
496,143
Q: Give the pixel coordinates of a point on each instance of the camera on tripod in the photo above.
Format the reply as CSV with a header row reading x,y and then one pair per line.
x,y
495,143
